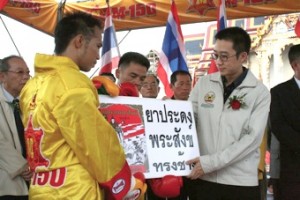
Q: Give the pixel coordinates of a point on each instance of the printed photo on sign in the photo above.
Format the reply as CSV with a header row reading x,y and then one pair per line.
x,y
128,122
158,136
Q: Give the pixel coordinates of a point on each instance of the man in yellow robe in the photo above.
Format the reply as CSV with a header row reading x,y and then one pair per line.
x,y
73,151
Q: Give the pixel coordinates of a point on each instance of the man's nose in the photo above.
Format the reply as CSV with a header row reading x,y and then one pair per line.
x,y
26,76
138,83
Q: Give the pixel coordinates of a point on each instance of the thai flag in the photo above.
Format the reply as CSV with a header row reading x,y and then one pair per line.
x,y
222,19
221,24
110,54
3,3
297,27
172,57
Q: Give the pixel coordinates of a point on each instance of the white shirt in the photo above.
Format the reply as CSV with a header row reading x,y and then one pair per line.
x,y
297,81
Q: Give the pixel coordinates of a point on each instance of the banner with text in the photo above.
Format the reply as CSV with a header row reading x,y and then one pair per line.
x,y
158,136
135,14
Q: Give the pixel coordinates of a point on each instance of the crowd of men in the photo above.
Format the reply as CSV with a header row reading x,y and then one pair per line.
x,y
64,148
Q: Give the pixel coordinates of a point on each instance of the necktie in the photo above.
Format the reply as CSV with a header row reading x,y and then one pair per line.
x,y
19,125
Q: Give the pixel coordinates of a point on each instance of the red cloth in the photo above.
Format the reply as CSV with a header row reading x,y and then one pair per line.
x,y
297,28
3,3
128,89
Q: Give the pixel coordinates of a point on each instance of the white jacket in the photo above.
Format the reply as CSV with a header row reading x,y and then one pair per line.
x,y
12,163
229,139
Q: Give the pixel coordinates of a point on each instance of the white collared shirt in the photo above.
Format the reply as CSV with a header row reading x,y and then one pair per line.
x,y
297,81
9,98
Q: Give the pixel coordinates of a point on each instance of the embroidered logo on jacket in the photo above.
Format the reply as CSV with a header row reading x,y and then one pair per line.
x,y
55,178
33,139
209,99
118,186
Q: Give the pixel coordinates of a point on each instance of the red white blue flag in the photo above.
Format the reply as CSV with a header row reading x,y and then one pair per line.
x,y
110,54
222,18
297,27
3,3
221,24
173,55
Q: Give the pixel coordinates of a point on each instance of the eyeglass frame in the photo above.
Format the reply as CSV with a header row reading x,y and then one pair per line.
x,y
223,58
151,85
20,72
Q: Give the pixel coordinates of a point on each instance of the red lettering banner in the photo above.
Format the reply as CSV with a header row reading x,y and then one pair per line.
x,y
136,14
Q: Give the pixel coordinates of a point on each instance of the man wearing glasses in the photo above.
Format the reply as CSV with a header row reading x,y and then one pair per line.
x,y
150,86
14,171
231,110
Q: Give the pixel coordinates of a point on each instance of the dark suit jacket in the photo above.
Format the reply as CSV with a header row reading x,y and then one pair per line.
x,y
285,124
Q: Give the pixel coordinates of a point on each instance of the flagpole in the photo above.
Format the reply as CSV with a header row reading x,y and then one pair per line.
x,y
11,38
221,24
98,68
110,53
173,44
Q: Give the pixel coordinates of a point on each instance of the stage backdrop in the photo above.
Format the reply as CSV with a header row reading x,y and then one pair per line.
x,y
136,14
157,136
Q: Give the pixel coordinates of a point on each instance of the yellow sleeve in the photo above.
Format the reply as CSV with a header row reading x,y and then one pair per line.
x,y
90,136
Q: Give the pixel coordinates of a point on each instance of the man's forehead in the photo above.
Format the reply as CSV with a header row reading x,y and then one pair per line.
x,y
150,78
16,62
223,45
132,66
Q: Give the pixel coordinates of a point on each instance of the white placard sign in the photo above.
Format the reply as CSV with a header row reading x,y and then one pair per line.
x,y
158,136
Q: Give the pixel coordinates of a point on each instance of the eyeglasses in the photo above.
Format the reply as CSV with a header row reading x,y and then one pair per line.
x,y
223,57
146,85
20,73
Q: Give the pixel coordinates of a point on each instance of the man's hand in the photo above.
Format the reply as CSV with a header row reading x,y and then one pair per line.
x,y
27,174
197,170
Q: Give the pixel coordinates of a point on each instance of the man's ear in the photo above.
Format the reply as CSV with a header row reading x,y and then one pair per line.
x,y
244,56
79,41
117,73
294,65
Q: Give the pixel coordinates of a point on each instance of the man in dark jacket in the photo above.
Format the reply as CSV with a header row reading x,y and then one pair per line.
x,y
285,118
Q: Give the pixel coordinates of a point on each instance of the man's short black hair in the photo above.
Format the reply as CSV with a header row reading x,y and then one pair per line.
x,y
133,57
181,72
239,37
294,53
72,25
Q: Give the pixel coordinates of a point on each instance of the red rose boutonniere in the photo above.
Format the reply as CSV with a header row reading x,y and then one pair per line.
x,y
237,102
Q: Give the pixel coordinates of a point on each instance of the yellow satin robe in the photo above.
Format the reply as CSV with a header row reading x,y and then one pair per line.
x,y
71,147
